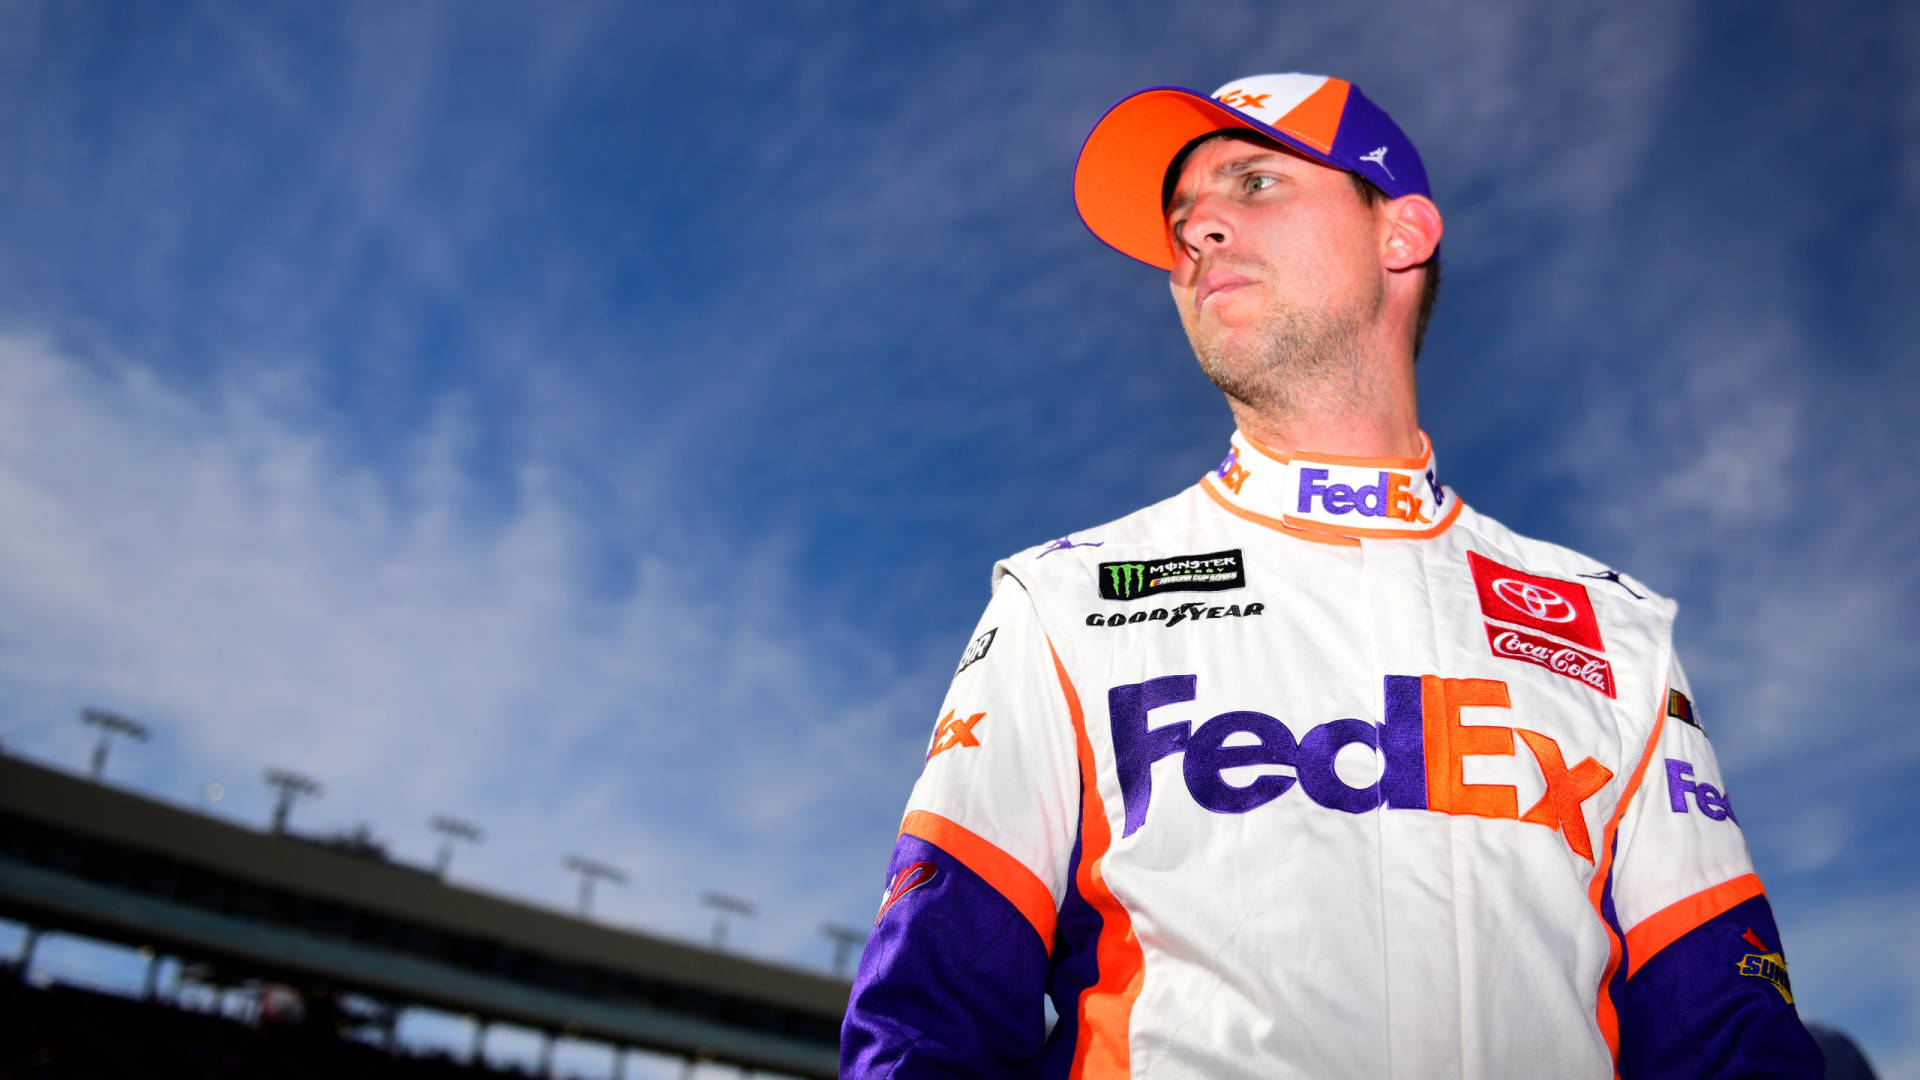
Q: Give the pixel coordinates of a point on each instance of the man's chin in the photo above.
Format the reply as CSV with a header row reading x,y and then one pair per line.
x,y
1230,314
1223,339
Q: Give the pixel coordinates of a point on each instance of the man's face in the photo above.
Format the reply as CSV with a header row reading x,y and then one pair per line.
x,y
1276,261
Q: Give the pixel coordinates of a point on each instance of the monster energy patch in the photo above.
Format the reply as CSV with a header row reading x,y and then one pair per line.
x,y
1181,573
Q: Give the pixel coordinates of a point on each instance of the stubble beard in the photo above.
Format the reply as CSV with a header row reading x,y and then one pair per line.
x,y
1297,362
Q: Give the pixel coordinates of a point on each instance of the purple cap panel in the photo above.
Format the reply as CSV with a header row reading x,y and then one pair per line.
x,y
1371,144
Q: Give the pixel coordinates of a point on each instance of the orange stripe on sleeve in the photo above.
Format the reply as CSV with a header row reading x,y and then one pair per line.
x,y
1106,1008
1604,1012
1676,920
1008,876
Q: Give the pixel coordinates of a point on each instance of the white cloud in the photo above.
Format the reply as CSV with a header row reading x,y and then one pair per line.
x,y
226,570
1729,471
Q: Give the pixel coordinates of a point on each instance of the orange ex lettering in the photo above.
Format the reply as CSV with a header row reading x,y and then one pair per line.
x,y
954,731
1240,99
1231,472
1402,503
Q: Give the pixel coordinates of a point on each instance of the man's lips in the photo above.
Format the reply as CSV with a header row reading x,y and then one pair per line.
x,y
1215,282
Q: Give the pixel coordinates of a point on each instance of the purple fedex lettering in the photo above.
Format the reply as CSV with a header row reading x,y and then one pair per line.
x,y
1208,756
1311,487
1136,746
1711,800
1370,500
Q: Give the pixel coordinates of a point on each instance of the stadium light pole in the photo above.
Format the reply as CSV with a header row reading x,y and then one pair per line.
x,y
591,870
292,785
723,906
453,829
110,724
844,942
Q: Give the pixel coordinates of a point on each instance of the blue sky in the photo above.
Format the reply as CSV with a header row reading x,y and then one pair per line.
x,y
598,421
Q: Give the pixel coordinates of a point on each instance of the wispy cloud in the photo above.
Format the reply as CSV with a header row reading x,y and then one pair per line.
x,y
221,569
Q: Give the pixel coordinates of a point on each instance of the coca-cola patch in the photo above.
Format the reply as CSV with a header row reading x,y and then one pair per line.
x,y
1559,658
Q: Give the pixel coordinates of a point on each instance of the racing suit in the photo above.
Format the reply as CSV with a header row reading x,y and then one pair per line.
x,y
1310,771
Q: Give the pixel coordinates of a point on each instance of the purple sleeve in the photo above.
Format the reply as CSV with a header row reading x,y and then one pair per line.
x,y
951,982
1717,1003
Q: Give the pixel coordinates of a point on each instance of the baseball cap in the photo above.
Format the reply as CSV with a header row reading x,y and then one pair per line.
x,y
1117,182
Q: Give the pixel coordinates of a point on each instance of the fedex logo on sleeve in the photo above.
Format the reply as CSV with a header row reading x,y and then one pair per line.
x,y
1389,496
1711,800
1422,746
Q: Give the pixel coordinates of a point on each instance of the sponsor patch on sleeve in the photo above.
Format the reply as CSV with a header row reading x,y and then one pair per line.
x,y
1767,964
1680,707
1212,572
977,651
910,877
954,731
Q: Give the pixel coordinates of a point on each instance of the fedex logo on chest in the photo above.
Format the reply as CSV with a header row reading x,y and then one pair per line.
x,y
1421,745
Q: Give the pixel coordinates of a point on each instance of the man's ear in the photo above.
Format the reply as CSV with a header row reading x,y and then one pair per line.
x,y
1413,232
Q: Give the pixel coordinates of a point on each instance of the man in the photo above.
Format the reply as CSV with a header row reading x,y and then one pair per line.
x,y
1311,770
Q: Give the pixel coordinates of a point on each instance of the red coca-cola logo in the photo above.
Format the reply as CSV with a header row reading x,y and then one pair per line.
x,y
1575,664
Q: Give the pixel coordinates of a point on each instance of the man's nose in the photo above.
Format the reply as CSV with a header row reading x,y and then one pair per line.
x,y
1205,227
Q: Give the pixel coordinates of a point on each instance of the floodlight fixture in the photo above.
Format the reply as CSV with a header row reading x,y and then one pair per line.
x,y
845,940
590,871
110,724
724,906
292,785
453,829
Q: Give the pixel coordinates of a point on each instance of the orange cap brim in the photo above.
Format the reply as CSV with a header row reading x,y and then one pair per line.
x,y
1117,181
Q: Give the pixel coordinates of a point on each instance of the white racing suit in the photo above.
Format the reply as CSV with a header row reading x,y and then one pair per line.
x,y
1312,771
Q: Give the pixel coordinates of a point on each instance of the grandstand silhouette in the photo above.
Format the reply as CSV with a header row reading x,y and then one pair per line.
x,y
332,922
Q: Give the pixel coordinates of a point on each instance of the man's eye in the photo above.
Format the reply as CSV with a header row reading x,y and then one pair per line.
x,y
1259,181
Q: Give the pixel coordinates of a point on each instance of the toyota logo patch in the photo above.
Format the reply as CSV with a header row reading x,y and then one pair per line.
x,y
1553,606
1536,600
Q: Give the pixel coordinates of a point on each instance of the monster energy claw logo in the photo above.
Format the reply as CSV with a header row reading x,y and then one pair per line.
x,y
1182,573
1125,578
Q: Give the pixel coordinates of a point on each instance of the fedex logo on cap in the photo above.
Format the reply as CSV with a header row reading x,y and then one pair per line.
x,y
1422,747
1272,97
1389,496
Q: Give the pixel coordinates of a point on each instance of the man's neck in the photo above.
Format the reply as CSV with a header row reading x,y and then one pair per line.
x,y
1385,423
